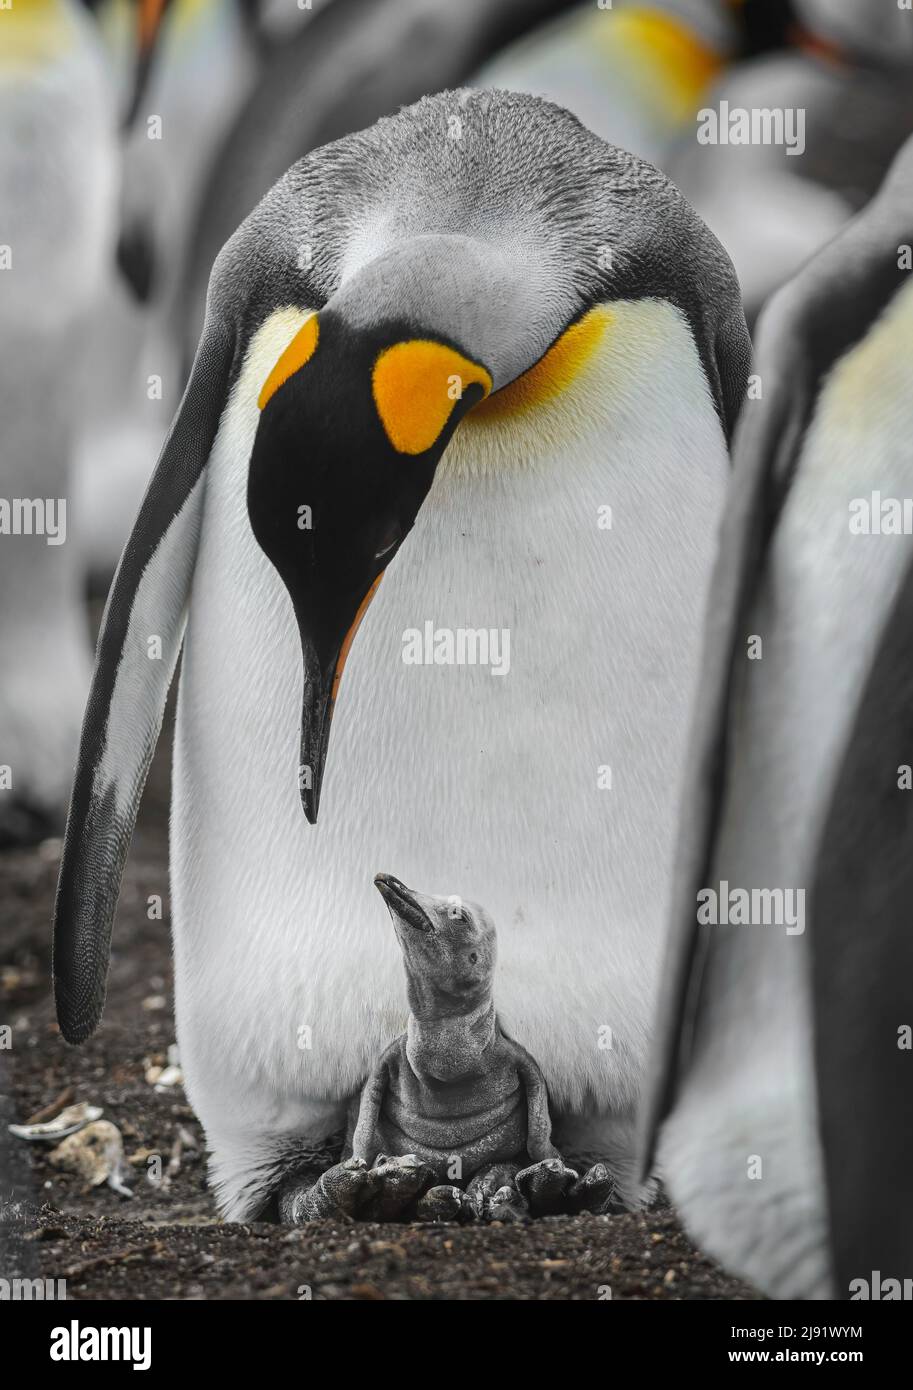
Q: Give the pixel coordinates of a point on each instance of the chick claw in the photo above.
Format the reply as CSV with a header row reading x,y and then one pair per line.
x,y
545,1185
446,1203
507,1204
337,1193
594,1191
487,1182
396,1183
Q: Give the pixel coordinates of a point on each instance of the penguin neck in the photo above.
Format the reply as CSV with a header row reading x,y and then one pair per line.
x,y
451,1047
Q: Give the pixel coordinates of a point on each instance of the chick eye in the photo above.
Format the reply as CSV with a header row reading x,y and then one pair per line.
x,y
473,957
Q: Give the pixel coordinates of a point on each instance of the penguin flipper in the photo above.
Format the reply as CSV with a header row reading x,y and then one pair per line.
x,y
807,326
129,688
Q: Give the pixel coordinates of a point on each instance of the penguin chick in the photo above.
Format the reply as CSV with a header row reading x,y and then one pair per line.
x,y
452,1097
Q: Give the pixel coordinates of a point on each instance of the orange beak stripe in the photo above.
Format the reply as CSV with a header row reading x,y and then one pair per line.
x,y
350,638
150,17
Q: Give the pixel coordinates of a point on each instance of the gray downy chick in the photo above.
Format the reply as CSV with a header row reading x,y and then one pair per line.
x,y
453,1122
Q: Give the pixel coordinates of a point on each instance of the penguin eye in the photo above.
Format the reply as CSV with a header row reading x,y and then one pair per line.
x,y
473,957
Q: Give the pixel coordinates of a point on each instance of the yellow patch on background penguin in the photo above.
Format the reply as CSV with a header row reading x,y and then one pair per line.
x,y
416,385
553,373
34,33
868,381
677,59
299,351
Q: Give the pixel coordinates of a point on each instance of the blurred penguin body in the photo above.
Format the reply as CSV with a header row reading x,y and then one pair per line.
x,y
771,206
787,1143
58,190
877,32
202,72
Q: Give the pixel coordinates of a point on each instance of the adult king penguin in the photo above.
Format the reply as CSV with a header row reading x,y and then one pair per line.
x,y
432,355
781,1082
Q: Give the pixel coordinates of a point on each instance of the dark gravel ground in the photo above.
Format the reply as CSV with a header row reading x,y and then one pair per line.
x,y
166,1242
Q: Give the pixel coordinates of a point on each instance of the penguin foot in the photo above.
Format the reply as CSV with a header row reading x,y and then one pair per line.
x,y
487,1182
595,1191
546,1185
336,1195
507,1205
446,1203
395,1184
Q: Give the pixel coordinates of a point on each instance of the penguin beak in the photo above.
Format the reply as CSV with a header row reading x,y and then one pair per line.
x,y
402,902
345,453
149,17
324,661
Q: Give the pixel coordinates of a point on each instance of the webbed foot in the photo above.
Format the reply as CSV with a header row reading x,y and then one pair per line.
x,y
337,1194
487,1182
396,1183
507,1204
594,1191
546,1185
446,1203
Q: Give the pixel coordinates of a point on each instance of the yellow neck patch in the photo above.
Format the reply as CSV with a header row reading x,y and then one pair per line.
x,y
300,350
416,385
553,373
680,61
34,32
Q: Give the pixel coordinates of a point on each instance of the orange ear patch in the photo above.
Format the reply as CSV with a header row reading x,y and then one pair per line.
x,y
416,385
300,350
553,373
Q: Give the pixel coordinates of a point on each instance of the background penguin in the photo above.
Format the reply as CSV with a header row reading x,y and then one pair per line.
x,y
874,31
639,73
479,258
202,73
58,190
773,207
634,73
59,180
784,1050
